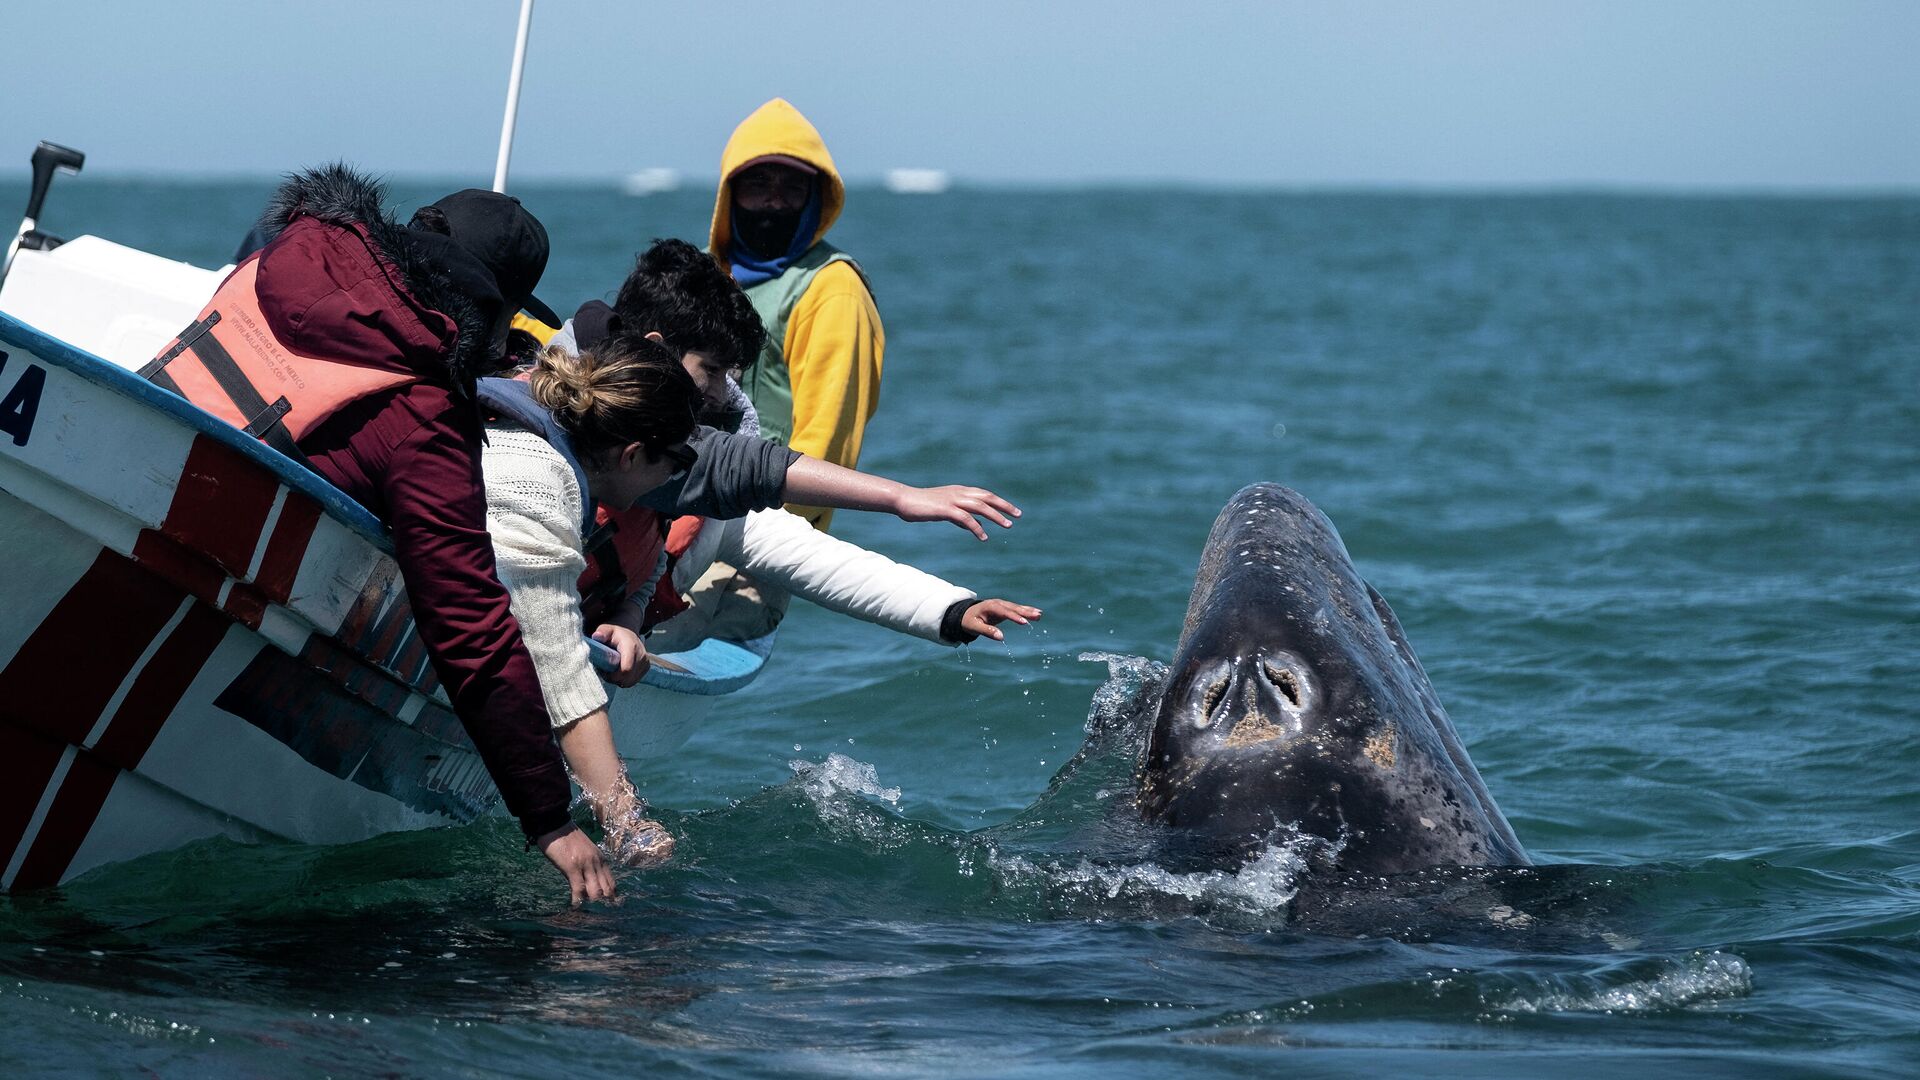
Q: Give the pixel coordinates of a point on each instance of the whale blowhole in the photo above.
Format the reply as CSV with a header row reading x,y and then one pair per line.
x,y
1284,681
1215,695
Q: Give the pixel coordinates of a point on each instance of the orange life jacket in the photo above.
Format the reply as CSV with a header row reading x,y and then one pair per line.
x,y
625,549
230,362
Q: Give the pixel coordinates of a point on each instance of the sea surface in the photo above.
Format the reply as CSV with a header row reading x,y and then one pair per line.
x,y
1639,474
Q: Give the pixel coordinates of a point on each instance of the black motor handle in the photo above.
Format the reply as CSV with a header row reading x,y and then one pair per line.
x,y
47,158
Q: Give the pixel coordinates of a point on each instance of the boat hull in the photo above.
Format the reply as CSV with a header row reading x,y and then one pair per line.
x,y
199,637
196,639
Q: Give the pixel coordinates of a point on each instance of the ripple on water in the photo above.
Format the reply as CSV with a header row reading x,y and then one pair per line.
x,y
1695,980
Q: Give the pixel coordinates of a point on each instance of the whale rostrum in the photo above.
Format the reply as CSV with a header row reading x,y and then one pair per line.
x,y
1294,704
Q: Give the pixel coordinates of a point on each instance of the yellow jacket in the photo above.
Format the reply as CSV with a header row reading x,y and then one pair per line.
x,y
833,343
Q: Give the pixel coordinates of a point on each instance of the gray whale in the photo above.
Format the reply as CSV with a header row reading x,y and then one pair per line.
x,y
1294,705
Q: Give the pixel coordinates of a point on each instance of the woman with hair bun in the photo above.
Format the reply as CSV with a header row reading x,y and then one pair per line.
x,y
605,426
610,425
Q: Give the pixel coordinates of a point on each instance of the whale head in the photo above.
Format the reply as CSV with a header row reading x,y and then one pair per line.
x,y
1293,704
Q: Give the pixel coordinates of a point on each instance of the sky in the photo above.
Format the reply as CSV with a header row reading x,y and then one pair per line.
x,y
1674,94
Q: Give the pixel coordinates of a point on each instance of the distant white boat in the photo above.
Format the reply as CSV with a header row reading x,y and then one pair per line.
x,y
918,181
650,182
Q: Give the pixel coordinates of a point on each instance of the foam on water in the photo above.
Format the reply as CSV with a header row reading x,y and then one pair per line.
x,y
1700,978
1264,885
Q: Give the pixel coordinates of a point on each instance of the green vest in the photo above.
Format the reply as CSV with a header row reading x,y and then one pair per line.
x,y
767,381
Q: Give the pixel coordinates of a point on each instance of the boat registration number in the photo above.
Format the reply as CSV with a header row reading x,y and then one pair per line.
x,y
20,388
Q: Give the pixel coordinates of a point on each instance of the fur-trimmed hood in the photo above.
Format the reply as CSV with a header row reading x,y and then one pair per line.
x,y
340,277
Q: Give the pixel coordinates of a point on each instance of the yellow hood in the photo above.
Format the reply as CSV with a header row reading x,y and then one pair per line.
x,y
774,129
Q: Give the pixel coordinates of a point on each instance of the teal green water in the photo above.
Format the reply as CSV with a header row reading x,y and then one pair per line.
x,y
1641,476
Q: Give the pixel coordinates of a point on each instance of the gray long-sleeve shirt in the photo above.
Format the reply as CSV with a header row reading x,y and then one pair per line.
x,y
732,476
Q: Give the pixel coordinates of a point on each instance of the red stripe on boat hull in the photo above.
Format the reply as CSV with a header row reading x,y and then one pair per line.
x,y
220,505
68,669
158,688
56,686
27,761
67,710
74,810
287,548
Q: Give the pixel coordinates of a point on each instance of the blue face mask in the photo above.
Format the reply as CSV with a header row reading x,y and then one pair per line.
x,y
750,267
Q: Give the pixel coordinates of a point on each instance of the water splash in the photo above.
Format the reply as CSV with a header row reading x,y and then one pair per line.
x,y
1130,681
841,775
1119,719
632,838
1700,978
1262,886
629,834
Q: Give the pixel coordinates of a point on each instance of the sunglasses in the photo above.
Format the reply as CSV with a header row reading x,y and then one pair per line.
x,y
682,455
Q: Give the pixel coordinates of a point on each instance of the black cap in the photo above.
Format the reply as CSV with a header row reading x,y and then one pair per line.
x,y
594,323
498,231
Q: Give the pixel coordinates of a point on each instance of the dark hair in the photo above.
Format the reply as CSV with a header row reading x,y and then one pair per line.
x,y
681,292
619,392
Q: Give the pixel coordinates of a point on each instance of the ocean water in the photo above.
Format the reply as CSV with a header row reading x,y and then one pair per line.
x,y
1640,475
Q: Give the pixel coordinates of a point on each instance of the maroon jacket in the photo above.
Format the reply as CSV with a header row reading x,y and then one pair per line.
x,y
412,456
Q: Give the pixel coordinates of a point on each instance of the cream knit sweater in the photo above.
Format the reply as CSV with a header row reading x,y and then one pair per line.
x,y
533,513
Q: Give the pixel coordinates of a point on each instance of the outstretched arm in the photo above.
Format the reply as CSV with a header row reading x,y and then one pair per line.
x,y
735,474
819,483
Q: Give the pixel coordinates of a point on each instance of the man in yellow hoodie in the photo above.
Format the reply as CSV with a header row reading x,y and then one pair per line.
x,y
817,381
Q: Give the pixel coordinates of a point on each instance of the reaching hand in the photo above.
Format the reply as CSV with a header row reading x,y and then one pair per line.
x,y
633,653
958,504
981,617
579,858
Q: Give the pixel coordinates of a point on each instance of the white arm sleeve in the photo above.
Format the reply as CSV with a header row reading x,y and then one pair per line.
x,y
533,514
783,549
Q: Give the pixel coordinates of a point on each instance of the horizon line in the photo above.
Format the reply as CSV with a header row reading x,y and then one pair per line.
x,y
962,184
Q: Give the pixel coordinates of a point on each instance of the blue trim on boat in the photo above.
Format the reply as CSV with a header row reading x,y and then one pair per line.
x,y
125,383
714,666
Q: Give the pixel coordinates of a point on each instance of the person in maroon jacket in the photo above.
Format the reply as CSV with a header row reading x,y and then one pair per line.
x,y
338,278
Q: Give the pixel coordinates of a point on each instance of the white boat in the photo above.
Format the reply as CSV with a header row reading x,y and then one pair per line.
x,y
653,181
917,181
198,636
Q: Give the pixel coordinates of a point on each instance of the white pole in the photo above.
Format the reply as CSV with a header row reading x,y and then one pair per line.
x,y
513,97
